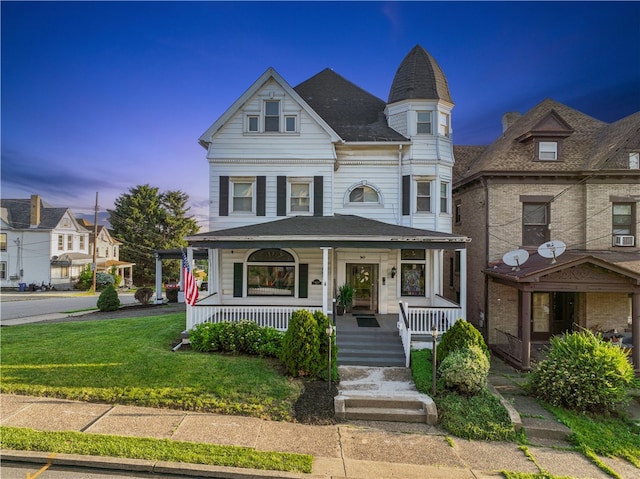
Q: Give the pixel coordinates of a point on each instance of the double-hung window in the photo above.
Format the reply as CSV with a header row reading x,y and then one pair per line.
x,y
69,242
623,219
3,270
242,195
547,150
272,115
299,196
423,196
423,123
60,242
3,241
81,245
444,127
444,197
535,223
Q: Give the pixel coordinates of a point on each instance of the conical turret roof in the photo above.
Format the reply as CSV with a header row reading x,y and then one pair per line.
x,y
419,77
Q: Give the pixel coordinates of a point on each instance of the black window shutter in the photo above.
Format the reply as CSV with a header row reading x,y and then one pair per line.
x,y
261,192
223,203
406,195
281,196
303,281
317,196
237,280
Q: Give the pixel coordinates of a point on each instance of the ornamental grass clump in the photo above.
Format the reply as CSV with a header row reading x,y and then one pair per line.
x,y
460,336
465,370
584,373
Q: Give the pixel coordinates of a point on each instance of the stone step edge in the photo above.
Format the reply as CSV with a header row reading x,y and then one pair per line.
x,y
428,406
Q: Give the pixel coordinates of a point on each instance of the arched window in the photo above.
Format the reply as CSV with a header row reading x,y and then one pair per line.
x,y
364,193
271,272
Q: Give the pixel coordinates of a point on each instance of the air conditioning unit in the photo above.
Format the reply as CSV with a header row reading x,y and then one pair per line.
x,y
623,240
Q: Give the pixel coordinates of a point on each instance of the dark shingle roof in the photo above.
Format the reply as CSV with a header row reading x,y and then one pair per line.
x,y
508,153
20,214
327,231
353,113
614,144
419,77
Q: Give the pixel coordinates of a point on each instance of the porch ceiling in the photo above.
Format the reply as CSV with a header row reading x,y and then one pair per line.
x,y
537,269
330,231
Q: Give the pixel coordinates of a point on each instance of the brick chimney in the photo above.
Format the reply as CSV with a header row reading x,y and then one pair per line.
x,y
34,219
509,119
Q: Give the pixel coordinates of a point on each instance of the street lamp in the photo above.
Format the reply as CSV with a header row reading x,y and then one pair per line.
x,y
329,332
434,359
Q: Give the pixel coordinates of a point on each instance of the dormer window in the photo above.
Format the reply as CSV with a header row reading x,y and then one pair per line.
x,y
423,123
547,150
634,160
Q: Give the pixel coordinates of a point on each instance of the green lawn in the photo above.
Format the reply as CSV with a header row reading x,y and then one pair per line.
x,y
130,361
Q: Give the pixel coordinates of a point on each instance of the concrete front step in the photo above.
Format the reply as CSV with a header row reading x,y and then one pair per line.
x,y
416,408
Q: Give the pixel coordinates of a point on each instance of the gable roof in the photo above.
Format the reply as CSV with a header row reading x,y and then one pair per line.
x,y
351,111
330,231
419,77
19,214
510,153
269,74
614,144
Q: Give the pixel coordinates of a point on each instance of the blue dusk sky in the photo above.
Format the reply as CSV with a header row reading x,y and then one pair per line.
x,y
104,96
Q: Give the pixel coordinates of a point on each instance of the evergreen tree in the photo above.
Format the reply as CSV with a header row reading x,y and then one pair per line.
x,y
145,219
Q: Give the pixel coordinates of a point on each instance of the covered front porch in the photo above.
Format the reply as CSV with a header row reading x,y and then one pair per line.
x,y
540,299
264,272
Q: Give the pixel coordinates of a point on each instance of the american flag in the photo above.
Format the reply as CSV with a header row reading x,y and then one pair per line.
x,y
190,286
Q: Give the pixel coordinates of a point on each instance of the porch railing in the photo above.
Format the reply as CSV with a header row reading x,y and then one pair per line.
x,y
404,330
273,316
509,345
426,320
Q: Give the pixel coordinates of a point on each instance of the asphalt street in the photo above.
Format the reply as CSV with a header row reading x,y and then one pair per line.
x,y
15,305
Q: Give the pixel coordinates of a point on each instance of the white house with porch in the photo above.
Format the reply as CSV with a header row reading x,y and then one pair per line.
x,y
323,184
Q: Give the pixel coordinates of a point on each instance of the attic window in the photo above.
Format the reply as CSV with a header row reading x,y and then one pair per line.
x,y
272,115
547,150
634,160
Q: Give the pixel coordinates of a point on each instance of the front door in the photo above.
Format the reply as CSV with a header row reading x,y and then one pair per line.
x,y
364,279
552,313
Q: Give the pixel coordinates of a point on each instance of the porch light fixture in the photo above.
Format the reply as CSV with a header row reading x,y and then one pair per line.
x,y
434,359
393,272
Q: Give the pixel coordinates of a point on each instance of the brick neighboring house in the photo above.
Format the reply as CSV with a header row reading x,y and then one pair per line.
x,y
555,174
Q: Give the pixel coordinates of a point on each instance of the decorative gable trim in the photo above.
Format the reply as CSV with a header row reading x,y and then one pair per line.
x,y
552,125
270,74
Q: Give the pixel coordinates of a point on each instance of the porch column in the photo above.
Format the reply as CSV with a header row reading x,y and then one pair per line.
x,y
437,271
214,279
525,327
463,283
635,329
181,282
325,281
158,279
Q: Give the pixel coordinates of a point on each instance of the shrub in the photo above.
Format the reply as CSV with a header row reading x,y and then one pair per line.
x,y
104,279
108,300
85,280
465,370
243,337
460,336
301,345
143,295
583,373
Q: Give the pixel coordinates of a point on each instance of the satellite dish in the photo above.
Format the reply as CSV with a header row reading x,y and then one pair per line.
x,y
552,249
515,258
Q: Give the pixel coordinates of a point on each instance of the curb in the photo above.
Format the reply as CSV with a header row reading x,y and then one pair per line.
x,y
146,465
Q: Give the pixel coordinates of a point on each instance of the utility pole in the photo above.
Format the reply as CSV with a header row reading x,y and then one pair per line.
x,y
94,266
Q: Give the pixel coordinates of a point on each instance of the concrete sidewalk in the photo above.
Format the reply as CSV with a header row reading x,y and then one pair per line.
x,y
347,450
